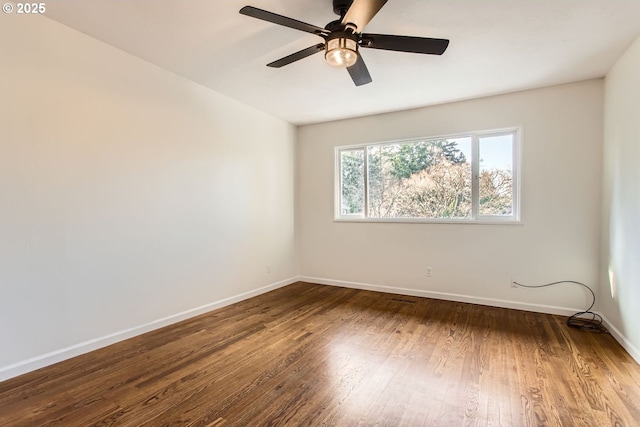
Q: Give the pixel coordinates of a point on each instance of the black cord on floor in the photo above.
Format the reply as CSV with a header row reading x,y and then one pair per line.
x,y
593,324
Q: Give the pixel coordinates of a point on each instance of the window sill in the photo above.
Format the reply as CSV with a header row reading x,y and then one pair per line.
x,y
430,221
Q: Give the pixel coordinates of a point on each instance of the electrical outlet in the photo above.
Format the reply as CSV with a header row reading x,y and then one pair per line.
x,y
268,268
427,271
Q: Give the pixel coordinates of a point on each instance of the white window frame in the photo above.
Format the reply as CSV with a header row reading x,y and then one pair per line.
x,y
475,217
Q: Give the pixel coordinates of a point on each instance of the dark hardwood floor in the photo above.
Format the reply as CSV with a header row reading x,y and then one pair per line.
x,y
312,355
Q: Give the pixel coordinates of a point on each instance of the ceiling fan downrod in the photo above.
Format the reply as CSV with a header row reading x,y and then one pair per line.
x,y
340,7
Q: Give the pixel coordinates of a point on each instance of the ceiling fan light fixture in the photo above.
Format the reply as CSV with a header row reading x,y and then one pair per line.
x,y
341,51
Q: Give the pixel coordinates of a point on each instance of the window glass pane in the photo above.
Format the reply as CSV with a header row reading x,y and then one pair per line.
x,y
422,179
496,175
352,180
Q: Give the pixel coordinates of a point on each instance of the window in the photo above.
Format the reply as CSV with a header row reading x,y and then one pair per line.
x,y
463,178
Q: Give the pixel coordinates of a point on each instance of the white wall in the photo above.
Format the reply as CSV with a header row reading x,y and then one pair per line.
x,y
559,236
621,201
127,195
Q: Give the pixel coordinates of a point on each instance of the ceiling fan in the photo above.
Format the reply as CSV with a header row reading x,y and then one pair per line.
x,y
344,37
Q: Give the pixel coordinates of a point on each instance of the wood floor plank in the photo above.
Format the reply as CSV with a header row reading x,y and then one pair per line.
x,y
313,355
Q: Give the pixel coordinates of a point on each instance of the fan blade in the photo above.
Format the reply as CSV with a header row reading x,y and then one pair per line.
x,y
254,12
361,12
297,56
359,73
405,43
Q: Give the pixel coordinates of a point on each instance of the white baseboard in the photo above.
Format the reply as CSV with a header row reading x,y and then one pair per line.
x,y
22,367
623,340
538,308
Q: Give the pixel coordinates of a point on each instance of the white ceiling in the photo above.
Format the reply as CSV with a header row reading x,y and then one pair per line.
x,y
497,46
